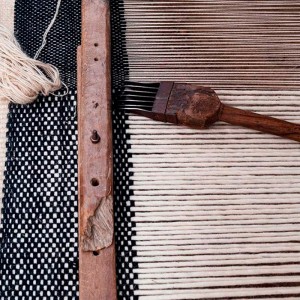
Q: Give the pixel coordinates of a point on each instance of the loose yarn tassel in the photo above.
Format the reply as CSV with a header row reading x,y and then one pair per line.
x,y
22,78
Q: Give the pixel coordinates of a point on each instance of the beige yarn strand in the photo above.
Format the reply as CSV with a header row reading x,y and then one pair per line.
x,y
21,77
48,30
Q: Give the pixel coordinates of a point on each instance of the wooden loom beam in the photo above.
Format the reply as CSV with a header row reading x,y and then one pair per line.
x,y
97,274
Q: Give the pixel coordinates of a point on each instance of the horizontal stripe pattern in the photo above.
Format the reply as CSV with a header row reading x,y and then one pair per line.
x,y
216,212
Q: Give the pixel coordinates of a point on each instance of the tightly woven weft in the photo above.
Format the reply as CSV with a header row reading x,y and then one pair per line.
x,y
62,39
39,249
123,214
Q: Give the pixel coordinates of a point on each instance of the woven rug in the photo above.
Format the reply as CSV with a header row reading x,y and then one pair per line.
x,y
39,255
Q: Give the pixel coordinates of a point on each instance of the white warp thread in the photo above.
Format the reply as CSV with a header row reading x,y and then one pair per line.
x,y
22,78
216,211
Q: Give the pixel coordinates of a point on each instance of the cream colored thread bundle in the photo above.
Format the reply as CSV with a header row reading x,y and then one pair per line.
x,y
22,78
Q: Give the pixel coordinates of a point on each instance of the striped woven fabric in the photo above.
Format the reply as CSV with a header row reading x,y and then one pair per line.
x,y
38,249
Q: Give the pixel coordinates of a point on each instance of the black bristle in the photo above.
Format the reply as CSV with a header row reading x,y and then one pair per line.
x,y
137,95
142,84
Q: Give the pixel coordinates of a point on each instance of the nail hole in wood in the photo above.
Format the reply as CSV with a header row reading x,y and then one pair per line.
x,y
95,253
94,182
95,59
96,44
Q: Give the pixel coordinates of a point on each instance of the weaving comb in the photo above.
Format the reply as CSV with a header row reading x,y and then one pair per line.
x,y
196,106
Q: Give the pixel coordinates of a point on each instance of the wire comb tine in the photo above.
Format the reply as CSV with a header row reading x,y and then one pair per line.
x,y
137,95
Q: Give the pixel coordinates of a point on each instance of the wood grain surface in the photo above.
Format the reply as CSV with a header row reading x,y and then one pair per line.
x,y
236,116
96,237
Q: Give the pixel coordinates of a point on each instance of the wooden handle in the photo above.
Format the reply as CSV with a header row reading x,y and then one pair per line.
x,y
258,122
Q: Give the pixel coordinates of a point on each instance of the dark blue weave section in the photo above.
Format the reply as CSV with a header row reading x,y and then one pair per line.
x,y
123,204
39,257
39,248
32,19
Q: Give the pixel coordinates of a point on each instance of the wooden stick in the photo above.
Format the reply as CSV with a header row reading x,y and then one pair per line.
x,y
97,277
258,122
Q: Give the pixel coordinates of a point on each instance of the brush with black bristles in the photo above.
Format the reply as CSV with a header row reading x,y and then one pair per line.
x,y
195,106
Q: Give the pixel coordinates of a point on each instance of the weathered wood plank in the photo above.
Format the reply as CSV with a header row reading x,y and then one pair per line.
x,y
97,274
